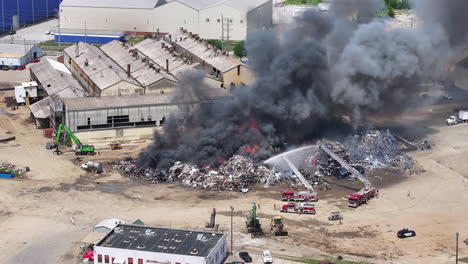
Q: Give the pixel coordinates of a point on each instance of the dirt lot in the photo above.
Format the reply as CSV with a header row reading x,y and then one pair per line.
x,y
36,212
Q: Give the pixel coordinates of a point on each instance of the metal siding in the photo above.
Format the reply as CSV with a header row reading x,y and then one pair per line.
x,y
88,39
29,10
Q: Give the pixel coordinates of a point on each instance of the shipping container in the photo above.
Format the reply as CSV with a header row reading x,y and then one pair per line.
x,y
4,175
16,13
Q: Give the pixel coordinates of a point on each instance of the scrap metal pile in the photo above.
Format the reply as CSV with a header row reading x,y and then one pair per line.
x,y
378,149
236,174
11,168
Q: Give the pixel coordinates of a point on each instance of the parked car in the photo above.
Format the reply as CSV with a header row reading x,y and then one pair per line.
x,y
245,256
21,67
36,61
14,67
6,67
405,233
12,32
267,258
447,97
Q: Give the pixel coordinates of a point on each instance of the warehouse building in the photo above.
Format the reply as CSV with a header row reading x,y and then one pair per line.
x,y
149,75
17,54
134,244
53,79
231,72
130,117
211,19
20,12
99,74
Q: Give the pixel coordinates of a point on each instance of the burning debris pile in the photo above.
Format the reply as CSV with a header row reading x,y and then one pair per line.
x,y
236,174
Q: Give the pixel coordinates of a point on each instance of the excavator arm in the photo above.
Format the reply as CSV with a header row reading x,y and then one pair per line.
x,y
348,167
72,136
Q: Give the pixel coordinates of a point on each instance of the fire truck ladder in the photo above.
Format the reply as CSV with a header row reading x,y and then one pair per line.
x,y
345,165
298,174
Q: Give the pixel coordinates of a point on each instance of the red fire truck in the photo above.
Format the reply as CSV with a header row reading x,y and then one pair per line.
x,y
356,199
302,196
298,208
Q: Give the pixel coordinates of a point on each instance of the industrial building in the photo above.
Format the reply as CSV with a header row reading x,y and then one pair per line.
x,y
97,73
135,244
17,54
54,80
210,19
132,116
19,12
231,72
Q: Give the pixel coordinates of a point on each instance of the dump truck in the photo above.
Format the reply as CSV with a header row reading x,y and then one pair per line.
x,y
298,208
277,226
301,196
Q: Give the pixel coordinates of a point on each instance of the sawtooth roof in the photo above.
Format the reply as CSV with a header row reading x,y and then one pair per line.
x,y
102,70
137,4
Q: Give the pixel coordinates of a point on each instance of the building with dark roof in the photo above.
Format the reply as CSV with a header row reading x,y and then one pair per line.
x,y
136,244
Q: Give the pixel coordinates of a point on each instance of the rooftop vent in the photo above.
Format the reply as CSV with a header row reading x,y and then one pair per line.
x,y
141,246
194,251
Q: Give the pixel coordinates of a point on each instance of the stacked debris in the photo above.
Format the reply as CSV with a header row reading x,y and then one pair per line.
x,y
377,149
10,168
236,174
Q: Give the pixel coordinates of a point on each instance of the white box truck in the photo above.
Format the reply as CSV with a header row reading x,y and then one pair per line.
x,y
461,118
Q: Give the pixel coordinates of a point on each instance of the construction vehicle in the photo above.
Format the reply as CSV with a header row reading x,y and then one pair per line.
x,y
80,149
302,196
310,194
335,216
365,194
278,226
212,226
298,208
115,145
253,223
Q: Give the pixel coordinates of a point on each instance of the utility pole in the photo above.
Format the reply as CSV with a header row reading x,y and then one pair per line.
x,y
222,32
456,251
47,8
232,210
32,11
60,33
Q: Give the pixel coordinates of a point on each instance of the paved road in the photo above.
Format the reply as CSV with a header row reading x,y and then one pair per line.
x,y
33,33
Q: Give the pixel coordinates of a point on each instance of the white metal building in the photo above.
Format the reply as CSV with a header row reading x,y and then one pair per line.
x,y
211,19
106,225
136,244
17,54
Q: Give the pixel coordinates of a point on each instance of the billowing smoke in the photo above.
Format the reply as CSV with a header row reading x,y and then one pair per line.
x,y
306,78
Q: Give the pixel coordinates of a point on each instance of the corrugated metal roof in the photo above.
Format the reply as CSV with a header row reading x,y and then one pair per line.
x,y
139,4
200,49
140,70
41,109
54,79
102,70
105,102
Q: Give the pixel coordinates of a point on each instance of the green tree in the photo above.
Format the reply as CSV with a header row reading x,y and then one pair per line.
x,y
239,49
391,12
215,43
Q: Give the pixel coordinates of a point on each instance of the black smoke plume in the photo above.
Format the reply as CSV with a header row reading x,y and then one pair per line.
x,y
307,77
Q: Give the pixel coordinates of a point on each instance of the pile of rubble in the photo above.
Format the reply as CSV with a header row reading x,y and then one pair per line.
x,y
10,168
236,174
377,149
